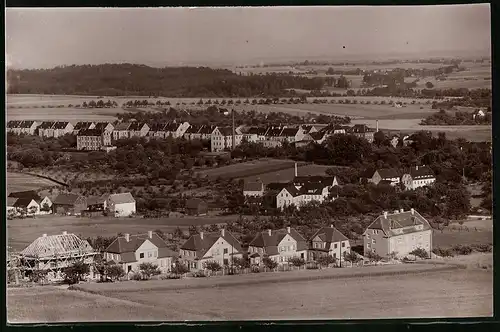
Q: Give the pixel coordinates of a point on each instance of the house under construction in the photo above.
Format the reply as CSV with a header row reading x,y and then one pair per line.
x,y
54,253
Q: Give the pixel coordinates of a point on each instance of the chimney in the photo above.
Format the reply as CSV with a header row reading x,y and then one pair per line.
x,y
295,169
127,237
44,235
150,234
288,230
331,226
416,168
377,126
201,235
402,210
65,233
223,232
412,211
269,232
385,214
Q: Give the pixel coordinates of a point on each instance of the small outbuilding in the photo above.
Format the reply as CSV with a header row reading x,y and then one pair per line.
x,y
196,207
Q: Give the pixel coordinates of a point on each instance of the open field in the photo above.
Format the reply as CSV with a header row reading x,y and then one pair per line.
x,y
449,238
438,293
21,182
248,168
288,174
21,232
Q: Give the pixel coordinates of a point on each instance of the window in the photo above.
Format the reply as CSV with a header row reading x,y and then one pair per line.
x,y
368,245
226,262
335,246
226,250
150,254
141,255
343,244
373,241
129,268
373,231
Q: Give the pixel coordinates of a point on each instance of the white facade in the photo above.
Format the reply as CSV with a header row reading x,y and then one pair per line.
x,y
220,142
122,209
285,198
414,183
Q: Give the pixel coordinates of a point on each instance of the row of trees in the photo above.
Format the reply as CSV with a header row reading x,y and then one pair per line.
x,y
99,104
442,118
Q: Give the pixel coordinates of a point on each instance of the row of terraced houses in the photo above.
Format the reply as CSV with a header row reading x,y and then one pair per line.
x,y
100,135
391,234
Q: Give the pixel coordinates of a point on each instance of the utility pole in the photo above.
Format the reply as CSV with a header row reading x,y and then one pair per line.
x,y
234,138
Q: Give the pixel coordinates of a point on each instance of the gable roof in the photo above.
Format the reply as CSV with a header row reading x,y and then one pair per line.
x,y
405,220
277,185
389,173
82,125
122,126
226,131
121,198
318,135
257,131
94,200
61,244
136,126
66,199
13,124
124,248
102,125
26,124
360,129
60,125
274,131
329,235
289,132
202,245
253,186
26,194
23,202
324,180
270,242
90,132
193,129
421,172
193,203
206,129
11,201
47,125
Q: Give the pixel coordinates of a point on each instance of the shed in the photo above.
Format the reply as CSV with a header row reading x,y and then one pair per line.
x,y
196,207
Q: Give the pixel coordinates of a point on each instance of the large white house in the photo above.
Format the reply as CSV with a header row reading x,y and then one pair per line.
x,y
298,196
120,205
418,176
279,245
130,251
222,138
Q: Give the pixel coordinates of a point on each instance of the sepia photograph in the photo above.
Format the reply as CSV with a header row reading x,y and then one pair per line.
x,y
248,163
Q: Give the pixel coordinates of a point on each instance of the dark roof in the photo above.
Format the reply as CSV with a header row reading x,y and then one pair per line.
x,y
389,173
324,180
61,124
94,200
257,131
101,125
127,249
90,132
26,124
253,186
277,185
329,235
122,126
193,129
317,135
193,203
421,172
26,194
47,125
171,126
83,125
23,202
121,198
270,242
206,130
156,127
201,246
13,124
382,182
405,220
289,132
66,199
226,131
136,126
11,201
274,131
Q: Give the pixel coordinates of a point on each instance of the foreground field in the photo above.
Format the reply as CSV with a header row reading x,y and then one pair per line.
x,y
439,293
21,182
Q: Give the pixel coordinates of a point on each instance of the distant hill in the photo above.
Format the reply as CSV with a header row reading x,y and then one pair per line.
x,y
132,79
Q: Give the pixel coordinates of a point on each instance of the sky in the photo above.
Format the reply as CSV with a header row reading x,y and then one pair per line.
x,y
48,37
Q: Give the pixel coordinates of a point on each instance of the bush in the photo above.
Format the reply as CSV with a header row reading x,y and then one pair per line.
x,y
312,267
443,252
483,247
269,263
199,274
76,272
115,271
136,276
326,260
297,261
419,252
462,250
255,269
148,270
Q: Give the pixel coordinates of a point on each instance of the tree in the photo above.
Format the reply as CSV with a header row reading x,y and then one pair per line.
x,y
297,261
351,257
326,260
241,263
45,207
32,210
38,275
84,104
212,266
429,85
373,257
420,253
269,263
114,271
75,273
148,270
379,138
179,269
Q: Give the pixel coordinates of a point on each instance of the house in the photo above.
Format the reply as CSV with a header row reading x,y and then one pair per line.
x,y
105,126
253,189
205,133
92,139
120,131
418,176
390,174
157,130
398,233
54,253
10,204
82,126
176,130
62,128
362,131
27,127
279,245
292,135
120,205
196,207
301,195
45,129
138,129
12,126
222,138
96,206
319,137
207,247
130,251
335,129
258,132
330,242
26,197
328,181
478,114
192,130
71,204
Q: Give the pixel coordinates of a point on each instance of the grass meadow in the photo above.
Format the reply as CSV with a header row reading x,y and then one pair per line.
x,y
21,182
